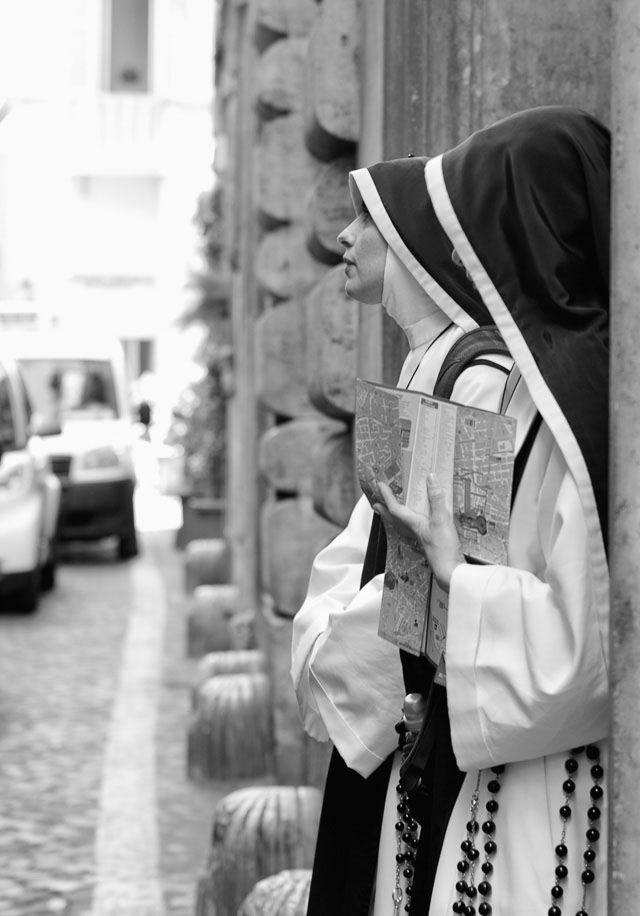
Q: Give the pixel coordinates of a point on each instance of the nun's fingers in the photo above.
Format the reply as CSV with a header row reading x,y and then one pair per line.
x,y
438,509
405,521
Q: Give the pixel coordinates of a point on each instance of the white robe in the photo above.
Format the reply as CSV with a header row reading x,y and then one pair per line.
x,y
526,672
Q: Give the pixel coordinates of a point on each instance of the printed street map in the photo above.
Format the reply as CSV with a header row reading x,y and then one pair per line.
x,y
401,437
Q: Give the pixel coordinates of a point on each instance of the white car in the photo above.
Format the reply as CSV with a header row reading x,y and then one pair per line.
x,y
77,387
29,501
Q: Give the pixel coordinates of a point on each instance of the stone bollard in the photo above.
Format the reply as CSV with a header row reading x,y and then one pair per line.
x,y
210,610
249,661
231,728
257,832
207,561
284,894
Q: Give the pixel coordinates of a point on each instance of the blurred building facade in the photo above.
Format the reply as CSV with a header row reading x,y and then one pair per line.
x,y
104,148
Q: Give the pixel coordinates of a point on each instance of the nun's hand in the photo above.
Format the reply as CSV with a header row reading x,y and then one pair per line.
x,y
435,534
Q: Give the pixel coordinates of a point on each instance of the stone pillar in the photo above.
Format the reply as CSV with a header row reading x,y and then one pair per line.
x,y
624,763
451,68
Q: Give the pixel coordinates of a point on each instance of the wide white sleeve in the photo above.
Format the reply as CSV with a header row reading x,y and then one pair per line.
x,y
526,647
347,679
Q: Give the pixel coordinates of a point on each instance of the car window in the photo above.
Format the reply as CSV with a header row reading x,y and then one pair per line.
x,y
7,420
68,389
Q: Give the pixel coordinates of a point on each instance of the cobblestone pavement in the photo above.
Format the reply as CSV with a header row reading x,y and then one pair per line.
x,y
97,817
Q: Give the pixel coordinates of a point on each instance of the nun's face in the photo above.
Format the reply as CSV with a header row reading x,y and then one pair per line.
x,y
364,259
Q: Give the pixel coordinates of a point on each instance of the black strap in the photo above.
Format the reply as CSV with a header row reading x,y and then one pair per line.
x,y
468,348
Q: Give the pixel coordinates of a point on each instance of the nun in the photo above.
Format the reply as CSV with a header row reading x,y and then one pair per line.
x,y
510,228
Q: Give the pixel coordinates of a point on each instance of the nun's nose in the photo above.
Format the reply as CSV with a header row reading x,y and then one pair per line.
x,y
345,237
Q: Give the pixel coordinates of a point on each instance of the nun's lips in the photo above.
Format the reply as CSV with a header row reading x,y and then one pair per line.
x,y
348,263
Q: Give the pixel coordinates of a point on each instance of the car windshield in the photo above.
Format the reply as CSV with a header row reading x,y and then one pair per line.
x,y
69,389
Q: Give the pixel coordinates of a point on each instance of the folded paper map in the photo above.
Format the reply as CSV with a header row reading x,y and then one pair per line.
x,y
402,437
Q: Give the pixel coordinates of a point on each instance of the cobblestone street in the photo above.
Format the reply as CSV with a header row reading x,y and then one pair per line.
x,y
97,817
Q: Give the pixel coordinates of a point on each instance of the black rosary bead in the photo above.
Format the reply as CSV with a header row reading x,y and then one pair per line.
x,y
407,872
556,892
490,848
561,851
400,857
498,769
473,854
493,786
463,866
484,888
593,752
473,826
582,913
596,792
470,910
593,813
554,911
472,891
597,771
489,827
458,907
593,834
409,890
487,867
492,806
587,876
485,909
589,855
561,871
399,826
565,812
568,787
571,765
406,837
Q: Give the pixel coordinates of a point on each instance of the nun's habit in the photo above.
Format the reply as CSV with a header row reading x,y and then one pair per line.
x,y
525,205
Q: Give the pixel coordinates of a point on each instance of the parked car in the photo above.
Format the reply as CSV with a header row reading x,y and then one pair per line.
x,y
77,387
29,500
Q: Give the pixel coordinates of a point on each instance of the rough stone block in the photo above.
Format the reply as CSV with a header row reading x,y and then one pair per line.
x,y
292,535
335,487
329,210
281,360
332,346
288,452
278,18
280,78
334,71
285,170
285,268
